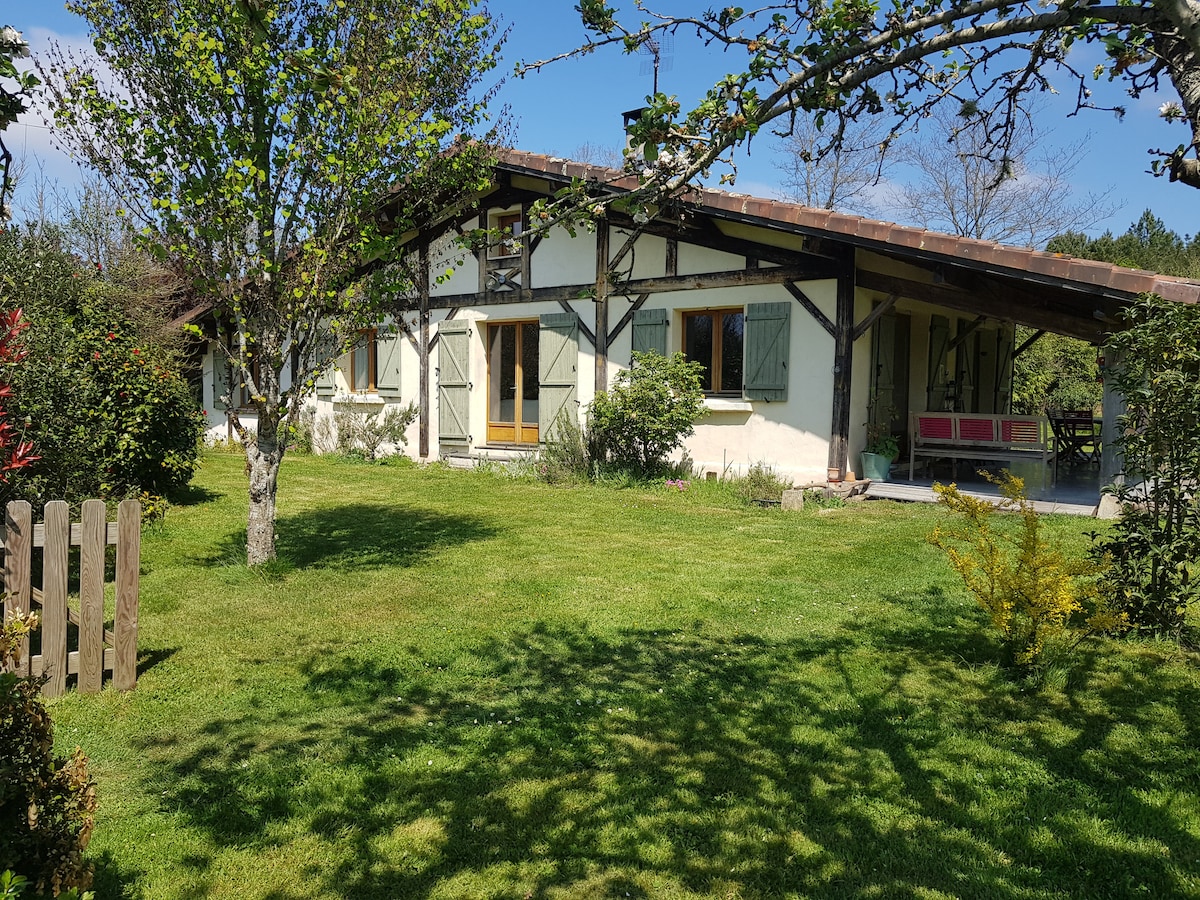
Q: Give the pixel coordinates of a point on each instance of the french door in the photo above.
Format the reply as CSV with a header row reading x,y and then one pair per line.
x,y
513,386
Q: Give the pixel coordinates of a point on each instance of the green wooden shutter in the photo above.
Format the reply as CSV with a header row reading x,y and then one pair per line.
x,y
221,375
454,385
650,331
966,364
1004,369
767,339
937,377
387,362
558,364
324,384
883,351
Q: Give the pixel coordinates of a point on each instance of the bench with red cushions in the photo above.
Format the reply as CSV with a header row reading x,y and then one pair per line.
x,y
980,436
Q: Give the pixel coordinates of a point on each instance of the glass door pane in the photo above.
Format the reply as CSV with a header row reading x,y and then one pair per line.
x,y
502,373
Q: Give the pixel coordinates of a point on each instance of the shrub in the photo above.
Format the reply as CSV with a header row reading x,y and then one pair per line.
x,y
361,432
46,802
301,436
762,483
651,408
100,392
565,459
1154,546
1029,588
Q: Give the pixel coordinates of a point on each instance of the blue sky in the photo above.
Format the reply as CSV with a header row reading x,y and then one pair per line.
x,y
578,102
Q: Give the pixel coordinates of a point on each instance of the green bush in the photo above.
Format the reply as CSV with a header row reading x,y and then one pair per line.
x,y
762,483
651,408
1030,589
46,802
361,433
566,458
100,391
1154,547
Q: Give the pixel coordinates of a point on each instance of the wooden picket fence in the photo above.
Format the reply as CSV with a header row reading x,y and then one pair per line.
x,y
99,650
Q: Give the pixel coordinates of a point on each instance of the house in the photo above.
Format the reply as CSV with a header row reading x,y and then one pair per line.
x,y
810,323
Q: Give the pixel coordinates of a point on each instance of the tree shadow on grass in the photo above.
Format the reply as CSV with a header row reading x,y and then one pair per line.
x,y
360,536
193,495
109,879
559,761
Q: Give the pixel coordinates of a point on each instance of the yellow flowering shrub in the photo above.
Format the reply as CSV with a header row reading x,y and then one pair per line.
x,y
1031,590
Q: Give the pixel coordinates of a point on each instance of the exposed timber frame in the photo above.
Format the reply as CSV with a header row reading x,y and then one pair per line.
x,y
843,364
423,351
600,297
633,287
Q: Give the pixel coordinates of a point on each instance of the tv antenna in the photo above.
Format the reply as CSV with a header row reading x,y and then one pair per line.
x,y
659,48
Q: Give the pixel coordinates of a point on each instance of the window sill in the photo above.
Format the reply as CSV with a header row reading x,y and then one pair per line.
x,y
727,404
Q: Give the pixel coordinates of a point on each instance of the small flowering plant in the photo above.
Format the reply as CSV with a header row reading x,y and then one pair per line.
x,y
678,483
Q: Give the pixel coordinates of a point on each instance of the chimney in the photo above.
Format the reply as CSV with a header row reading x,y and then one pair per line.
x,y
630,118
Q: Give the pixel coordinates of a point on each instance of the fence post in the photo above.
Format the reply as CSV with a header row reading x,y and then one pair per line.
x,y
125,624
55,552
18,551
91,596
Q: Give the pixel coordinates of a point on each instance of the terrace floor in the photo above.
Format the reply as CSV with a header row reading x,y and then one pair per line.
x,y
1076,490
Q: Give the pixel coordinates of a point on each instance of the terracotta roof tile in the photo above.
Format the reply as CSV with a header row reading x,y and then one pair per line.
x,y
865,231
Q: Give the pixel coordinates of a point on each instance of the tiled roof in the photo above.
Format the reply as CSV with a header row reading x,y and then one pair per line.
x,y
872,233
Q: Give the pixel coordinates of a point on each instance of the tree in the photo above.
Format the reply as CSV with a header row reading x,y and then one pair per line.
x,y
1055,372
834,170
257,141
842,60
1024,198
1154,546
100,385
1147,244
13,102
1058,372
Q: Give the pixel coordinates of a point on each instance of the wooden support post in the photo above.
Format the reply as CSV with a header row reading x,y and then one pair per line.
x,y
526,249
1112,462
18,553
91,597
601,299
843,361
423,352
672,267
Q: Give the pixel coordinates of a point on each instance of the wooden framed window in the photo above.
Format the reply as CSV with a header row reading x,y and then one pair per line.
x,y
511,226
715,338
363,363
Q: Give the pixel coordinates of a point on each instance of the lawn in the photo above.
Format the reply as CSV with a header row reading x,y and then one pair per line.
x,y
461,685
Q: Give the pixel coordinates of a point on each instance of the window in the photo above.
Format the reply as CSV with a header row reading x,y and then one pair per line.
x,y
363,363
510,225
714,338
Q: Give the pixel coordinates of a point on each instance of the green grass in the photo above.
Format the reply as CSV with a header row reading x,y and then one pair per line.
x,y
460,685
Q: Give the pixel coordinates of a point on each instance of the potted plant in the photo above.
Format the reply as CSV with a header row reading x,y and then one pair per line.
x,y
881,451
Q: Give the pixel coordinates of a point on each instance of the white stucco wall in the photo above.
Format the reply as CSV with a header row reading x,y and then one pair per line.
x,y
792,436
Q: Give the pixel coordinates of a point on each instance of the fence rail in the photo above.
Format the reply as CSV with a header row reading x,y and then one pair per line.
x,y
99,649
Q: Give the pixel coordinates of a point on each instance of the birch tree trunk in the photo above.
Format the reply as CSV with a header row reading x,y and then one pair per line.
x,y
263,456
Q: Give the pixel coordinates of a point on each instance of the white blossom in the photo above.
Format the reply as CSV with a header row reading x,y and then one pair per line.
x,y
1170,110
12,37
